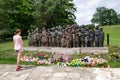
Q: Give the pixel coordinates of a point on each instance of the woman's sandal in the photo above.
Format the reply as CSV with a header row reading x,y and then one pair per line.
x,y
18,69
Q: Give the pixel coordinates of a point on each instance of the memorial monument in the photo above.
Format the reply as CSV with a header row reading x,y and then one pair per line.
x,y
69,37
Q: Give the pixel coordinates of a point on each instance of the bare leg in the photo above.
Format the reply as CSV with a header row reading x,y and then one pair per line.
x,y
18,59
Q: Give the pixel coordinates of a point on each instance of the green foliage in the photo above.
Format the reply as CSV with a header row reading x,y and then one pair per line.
x,y
118,18
89,26
51,13
15,14
105,16
4,34
27,14
66,10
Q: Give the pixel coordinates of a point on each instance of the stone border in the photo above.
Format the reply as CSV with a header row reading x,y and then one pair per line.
x,y
68,50
94,49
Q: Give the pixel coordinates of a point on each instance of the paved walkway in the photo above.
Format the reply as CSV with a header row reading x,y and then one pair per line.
x,y
7,72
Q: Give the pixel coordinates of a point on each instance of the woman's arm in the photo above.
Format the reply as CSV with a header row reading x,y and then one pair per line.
x,y
13,40
21,41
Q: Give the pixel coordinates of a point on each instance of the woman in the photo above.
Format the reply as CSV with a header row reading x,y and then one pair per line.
x,y
18,47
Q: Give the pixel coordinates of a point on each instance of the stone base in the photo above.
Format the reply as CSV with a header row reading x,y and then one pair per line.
x,y
94,49
68,50
40,49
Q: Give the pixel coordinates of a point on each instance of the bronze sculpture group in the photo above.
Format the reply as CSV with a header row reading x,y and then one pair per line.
x,y
70,36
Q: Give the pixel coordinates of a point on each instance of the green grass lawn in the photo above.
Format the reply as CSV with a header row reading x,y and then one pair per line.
x,y
9,45
114,32
6,52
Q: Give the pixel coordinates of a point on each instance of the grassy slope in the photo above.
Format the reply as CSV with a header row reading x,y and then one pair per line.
x,y
6,52
114,32
9,45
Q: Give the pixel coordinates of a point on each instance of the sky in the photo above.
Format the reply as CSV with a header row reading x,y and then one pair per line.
x,y
86,8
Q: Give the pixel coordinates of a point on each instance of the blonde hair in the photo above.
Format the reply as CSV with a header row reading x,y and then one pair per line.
x,y
17,31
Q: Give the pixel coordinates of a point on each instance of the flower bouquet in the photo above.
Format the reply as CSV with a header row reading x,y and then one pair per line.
x,y
43,62
115,57
75,63
28,59
63,64
62,58
41,56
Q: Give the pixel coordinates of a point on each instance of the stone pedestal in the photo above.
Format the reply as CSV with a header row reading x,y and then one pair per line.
x,y
94,49
69,50
66,50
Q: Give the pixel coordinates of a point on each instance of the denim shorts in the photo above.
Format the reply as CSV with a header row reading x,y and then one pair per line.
x,y
16,51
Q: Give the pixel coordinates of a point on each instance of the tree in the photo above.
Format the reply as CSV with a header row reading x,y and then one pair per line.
x,y
105,16
65,9
27,14
16,14
118,18
51,13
